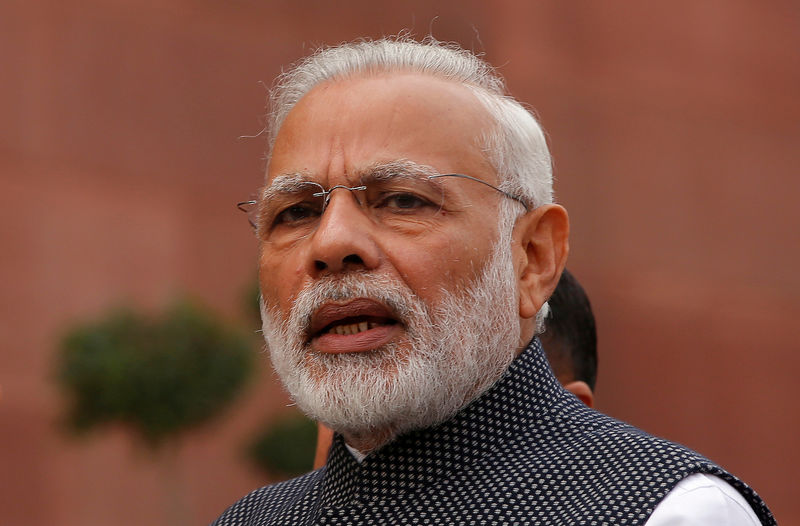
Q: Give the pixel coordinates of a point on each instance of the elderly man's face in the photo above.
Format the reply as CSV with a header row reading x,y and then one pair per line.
x,y
334,135
337,135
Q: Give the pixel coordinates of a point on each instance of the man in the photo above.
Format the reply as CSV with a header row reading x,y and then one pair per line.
x,y
408,245
569,343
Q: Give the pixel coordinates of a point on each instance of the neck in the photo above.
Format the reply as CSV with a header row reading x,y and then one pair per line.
x,y
369,441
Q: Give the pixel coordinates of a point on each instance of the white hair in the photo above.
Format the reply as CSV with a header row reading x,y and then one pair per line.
x,y
515,147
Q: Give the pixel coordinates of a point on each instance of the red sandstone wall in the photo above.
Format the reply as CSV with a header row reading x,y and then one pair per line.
x,y
675,135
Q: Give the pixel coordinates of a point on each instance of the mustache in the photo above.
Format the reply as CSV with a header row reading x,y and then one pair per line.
x,y
390,292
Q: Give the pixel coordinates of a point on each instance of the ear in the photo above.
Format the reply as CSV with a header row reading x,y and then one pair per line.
x,y
541,246
582,391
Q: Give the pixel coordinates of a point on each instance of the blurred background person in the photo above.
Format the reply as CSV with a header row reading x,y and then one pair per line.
x,y
570,338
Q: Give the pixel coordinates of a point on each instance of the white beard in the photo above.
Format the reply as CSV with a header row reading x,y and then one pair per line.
x,y
452,352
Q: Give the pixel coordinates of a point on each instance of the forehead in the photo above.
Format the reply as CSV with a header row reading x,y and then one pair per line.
x,y
342,127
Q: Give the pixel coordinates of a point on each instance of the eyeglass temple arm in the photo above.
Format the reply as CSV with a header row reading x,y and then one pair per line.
x,y
464,176
241,205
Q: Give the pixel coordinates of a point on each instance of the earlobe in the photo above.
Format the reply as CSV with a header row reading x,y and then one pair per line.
x,y
541,236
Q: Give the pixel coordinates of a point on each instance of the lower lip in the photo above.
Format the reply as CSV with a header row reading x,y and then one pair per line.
x,y
368,340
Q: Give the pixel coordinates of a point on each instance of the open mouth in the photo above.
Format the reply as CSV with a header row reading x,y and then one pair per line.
x,y
361,324
354,325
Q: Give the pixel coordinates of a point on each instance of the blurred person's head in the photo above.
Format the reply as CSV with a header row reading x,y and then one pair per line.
x,y
570,339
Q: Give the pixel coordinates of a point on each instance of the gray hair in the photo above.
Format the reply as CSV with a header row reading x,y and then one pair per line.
x,y
515,147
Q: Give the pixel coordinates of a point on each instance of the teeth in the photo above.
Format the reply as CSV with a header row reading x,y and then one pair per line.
x,y
352,328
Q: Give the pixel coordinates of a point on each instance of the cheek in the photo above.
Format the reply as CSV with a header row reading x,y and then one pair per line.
x,y
443,263
280,280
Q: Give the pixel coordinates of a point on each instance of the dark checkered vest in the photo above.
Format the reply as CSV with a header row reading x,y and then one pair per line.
x,y
525,452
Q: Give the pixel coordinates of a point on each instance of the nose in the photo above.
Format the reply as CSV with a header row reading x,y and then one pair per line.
x,y
344,240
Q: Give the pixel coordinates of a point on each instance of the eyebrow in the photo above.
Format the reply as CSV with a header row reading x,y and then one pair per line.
x,y
286,183
384,171
400,169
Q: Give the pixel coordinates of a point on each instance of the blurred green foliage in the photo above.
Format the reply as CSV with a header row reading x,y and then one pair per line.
x,y
285,446
159,375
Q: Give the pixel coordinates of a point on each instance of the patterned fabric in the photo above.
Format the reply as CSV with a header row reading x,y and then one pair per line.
x,y
525,452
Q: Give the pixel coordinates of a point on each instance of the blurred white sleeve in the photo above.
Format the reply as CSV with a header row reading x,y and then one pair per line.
x,y
702,500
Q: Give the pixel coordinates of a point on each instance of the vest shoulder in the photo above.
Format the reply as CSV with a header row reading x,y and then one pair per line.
x,y
622,467
268,501
610,444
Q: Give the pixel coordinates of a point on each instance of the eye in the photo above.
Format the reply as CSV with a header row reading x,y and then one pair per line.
x,y
404,202
297,214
